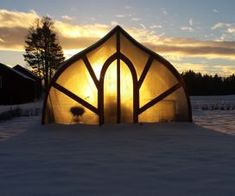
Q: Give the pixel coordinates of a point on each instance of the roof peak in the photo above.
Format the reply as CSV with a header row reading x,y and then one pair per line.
x,y
118,28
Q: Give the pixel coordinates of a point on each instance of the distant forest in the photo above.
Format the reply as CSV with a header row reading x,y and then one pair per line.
x,y
198,84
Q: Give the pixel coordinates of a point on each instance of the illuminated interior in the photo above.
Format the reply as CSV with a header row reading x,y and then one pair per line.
x,y
116,80
110,94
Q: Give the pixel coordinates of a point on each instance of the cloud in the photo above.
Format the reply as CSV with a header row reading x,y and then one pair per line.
x,y
202,51
219,26
120,16
92,19
67,18
75,37
17,19
135,19
183,47
227,30
221,69
227,27
114,23
187,28
215,11
78,43
14,27
190,22
80,36
164,12
155,27
127,7
12,38
143,26
67,30
231,29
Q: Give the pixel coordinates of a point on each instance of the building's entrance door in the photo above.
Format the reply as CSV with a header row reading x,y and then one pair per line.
x,y
118,94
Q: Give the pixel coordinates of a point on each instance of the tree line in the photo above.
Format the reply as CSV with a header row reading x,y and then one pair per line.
x,y
199,84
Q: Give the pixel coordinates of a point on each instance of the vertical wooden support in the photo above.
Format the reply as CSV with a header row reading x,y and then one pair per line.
x,y
136,102
101,101
118,80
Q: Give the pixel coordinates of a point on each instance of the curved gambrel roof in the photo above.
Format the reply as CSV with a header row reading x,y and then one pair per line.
x,y
99,82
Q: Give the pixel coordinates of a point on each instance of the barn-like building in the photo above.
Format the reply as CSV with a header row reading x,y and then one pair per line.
x,y
38,80
15,87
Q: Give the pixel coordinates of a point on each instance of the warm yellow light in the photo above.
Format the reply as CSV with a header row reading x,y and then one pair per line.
x,y
126,93
76,78
97,66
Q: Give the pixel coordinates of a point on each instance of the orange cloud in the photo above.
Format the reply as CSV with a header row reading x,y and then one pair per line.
x,y
75,37
210,52
68,30
12,19
222,70
14,26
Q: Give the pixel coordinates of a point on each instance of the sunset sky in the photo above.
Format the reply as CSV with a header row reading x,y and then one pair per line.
x,y
197,35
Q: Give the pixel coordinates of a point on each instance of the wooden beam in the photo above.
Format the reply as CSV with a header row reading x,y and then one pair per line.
x,y
136,102
101,102
91,71
76,98
145,71
159,98
118,80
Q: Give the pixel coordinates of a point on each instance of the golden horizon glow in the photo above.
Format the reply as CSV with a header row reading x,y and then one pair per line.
x,y
74,37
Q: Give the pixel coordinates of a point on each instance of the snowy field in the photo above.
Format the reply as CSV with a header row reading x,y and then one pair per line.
x,y
215,112
30,115
26,107
125,159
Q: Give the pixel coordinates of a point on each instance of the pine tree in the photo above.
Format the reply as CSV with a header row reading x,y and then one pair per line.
x,y
42,49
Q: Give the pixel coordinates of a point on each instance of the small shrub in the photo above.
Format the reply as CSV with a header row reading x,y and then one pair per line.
x,y
77,112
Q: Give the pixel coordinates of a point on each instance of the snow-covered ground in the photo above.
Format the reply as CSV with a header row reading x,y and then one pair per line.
x,y
26,106
215,112
152,159
31,114
15,126
124,159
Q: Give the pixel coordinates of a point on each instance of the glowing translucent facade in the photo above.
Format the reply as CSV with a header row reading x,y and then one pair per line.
x,y
116,80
